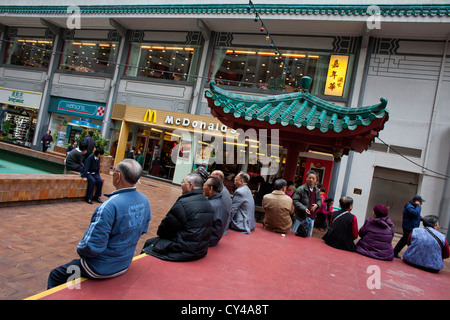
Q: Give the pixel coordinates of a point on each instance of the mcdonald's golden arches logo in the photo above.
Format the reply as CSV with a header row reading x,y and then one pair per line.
x,y
150,116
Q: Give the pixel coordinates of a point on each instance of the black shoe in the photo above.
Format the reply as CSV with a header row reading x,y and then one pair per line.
x,y
97,199
89,200
397,256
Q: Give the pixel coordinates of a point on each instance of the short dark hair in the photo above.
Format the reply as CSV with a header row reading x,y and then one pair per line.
x,y
82,146
311,172
430,221
279,184
215,183
99,151
345,203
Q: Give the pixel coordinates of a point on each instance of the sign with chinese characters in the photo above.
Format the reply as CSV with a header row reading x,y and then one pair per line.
x,y
20,98
337,70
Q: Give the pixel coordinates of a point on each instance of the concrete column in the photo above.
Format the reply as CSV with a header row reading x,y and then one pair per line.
x,y
291,163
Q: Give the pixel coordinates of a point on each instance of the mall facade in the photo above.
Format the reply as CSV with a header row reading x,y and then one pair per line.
x,y
138,74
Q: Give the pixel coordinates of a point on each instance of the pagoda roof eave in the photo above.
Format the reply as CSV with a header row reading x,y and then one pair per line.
x,y
301,117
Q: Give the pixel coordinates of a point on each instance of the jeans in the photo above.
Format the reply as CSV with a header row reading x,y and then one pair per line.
x,y
310,225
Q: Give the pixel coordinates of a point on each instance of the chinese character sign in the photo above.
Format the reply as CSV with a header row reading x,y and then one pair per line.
x,y
337,70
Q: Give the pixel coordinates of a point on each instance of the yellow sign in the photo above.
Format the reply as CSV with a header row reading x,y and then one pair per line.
x,y
337,71
150,116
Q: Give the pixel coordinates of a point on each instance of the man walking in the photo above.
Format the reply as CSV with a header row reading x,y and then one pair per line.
x,y
411,220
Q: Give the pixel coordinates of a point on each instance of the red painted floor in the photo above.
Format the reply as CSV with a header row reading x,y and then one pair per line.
x,y
265,266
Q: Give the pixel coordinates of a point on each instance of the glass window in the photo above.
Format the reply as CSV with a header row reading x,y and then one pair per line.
x,y
29,52
89,56
263,69
163,61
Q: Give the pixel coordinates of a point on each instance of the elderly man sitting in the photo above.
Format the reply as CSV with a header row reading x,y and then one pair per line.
x,y
108,246
184,233
278,208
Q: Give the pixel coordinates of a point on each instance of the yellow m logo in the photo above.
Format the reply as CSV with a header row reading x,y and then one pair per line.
x,y
150,116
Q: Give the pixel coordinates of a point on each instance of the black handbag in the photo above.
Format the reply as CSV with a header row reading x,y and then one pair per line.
x,y
302,230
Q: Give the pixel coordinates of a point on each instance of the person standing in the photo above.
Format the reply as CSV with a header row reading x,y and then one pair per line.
x,y
107,247
306,201
211,190
278,208
91,172
242,205
89,139
46,140
411,220
184,233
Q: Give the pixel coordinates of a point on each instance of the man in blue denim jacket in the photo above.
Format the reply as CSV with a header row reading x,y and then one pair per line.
x,y
107,247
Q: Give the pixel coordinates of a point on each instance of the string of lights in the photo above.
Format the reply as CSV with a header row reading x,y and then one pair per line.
x,y
252,9
126,66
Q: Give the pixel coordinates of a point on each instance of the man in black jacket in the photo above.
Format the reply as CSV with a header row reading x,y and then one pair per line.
x,y
91,172
184,233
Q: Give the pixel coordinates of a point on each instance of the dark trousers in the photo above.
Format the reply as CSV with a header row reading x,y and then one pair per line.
x,y
61,274
402,242
94,180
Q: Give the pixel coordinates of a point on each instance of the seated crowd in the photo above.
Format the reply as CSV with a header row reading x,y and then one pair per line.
x,y
205,212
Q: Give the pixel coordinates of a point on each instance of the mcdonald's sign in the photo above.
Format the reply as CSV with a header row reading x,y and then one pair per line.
x,y
150,116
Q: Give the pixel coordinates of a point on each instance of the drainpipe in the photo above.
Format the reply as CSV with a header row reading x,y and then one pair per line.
x,y
106,125
444,207
435,106
43,115
357,96
199,84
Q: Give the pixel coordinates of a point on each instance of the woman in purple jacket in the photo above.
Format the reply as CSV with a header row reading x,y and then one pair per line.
x,y
376,235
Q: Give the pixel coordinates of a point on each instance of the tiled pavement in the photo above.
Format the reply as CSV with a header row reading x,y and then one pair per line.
x,y
35,239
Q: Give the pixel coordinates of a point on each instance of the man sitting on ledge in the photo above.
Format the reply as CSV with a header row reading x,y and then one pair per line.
x,y
108,246
184,233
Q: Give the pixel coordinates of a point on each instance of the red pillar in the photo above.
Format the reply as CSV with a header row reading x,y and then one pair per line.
x,y
290,166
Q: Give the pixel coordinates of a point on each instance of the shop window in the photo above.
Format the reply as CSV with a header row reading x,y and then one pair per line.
x,y
17,124
89,56
163,61
263,69
28,52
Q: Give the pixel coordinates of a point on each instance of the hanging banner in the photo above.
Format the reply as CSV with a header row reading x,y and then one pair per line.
x,y
337,71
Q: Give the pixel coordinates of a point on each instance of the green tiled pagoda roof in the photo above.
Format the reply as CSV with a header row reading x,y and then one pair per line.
x,y
267,9
298,109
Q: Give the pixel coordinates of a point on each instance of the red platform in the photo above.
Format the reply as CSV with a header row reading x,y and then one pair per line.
x,y
263,266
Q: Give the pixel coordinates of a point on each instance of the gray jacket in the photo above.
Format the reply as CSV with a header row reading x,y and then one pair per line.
x,y
243,210
301,200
